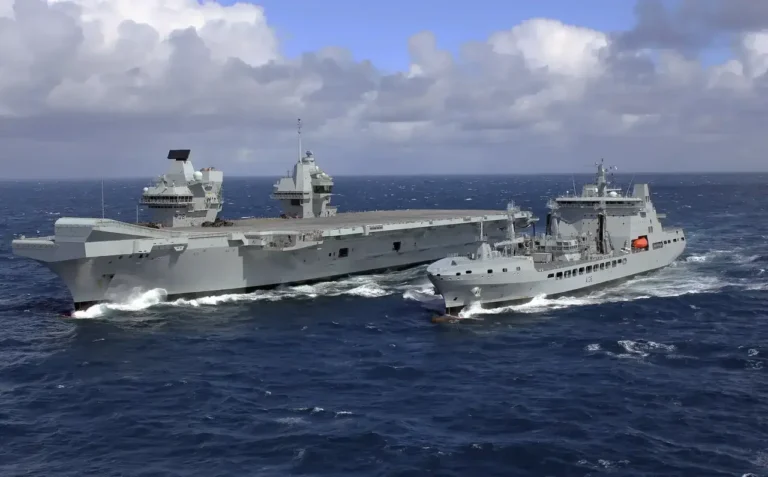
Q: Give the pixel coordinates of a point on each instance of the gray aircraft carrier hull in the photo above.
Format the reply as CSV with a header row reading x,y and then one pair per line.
x,y
102,260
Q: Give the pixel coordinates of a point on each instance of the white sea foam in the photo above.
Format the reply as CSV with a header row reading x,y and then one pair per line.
x,y
635,349
364,286
137,301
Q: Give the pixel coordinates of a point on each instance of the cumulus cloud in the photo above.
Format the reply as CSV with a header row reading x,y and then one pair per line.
x,y
95,87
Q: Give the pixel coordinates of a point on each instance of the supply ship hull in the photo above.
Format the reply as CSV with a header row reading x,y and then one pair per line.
x,y
513,280
103,260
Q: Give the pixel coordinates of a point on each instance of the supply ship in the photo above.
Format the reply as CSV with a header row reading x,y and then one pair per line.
x,y
594,239
188,250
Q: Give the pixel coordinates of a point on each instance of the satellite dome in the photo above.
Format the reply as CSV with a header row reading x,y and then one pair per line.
x,y
198,175
613,193
146,189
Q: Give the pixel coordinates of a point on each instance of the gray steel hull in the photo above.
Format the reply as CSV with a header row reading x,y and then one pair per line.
x,y
213,266
502,289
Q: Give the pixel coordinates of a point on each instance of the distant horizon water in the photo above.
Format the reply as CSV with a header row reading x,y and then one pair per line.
x,y
394,175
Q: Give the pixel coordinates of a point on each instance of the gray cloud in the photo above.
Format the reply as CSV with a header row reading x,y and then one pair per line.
x,y
692,24
103,91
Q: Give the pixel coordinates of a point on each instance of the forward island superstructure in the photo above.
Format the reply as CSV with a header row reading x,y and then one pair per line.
x,y
592,239
187,250
184,197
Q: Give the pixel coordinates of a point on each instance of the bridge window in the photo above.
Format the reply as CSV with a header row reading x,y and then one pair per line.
x,y
490,271
581,271
613,263
551,275
567,274
559,275
589,269
504,270
343,252
396,246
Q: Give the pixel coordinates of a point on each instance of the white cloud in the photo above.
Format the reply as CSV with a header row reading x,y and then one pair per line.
x,y
755,54
136,77
561,49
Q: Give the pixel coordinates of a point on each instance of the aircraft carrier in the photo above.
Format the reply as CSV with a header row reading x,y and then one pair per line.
x,y
188,251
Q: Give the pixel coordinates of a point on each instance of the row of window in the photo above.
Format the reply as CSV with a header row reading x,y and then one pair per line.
x,y
489,271
167,198
141,255
588,203
344,252
588,269
657,245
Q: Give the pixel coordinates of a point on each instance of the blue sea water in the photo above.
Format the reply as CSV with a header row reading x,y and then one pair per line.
x,y
662,376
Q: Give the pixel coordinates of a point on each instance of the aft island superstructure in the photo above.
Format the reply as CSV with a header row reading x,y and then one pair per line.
x,y
187,250
592,239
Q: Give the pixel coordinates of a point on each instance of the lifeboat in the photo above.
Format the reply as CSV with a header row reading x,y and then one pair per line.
x,y
641,242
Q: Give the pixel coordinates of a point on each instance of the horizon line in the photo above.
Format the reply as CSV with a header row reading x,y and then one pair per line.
x,y
368,176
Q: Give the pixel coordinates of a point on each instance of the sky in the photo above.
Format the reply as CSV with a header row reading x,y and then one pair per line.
x,y
378,31
103,88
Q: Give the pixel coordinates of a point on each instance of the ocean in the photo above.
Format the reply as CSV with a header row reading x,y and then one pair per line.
x,y
664,375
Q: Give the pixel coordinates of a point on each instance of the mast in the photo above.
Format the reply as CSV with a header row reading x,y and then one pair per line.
x,y
511,220
299,129
601,217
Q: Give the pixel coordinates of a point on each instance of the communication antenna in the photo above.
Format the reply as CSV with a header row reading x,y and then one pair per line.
x,y
299,128
630,184
102,198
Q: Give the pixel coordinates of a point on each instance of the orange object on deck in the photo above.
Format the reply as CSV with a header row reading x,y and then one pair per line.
x,y
641,242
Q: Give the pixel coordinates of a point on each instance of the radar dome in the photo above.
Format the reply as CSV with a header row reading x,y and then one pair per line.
x,y
613,193
198,175
146,189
